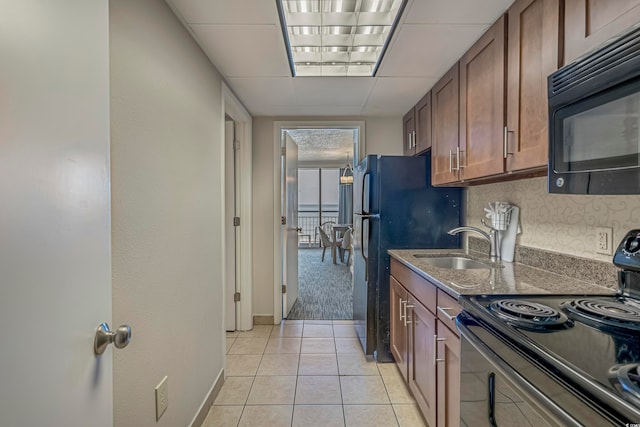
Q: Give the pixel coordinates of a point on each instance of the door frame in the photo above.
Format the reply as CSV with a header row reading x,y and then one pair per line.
x,y
232,107
278,127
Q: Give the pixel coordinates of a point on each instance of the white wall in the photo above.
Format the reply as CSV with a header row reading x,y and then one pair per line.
x,y
383,135
166,127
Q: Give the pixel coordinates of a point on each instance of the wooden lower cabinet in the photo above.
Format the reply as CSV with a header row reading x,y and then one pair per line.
x,y
398,329
426,344
422,331
448,377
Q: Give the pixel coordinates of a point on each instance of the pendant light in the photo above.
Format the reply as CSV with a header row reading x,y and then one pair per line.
x,y
347,174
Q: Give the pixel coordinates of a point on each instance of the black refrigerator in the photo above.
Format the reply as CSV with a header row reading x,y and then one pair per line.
x,y
395,207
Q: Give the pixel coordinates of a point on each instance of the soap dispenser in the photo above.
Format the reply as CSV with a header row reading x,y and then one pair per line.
x,y
508,244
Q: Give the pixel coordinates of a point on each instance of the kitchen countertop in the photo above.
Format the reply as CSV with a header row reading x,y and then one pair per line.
x,y
502,278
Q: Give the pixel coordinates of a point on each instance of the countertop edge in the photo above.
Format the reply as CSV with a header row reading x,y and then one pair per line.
x,y
400,256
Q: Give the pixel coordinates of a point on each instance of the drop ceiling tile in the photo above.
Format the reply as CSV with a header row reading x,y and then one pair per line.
x,y
260,94
455,12
395,96
326,110
227,11
332,92
427,50
245,50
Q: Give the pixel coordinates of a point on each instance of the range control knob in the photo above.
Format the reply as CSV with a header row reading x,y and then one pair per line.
x,y
632,245
627,257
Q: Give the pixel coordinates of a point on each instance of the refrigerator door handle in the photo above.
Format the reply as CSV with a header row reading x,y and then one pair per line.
x,y
362,182
366,217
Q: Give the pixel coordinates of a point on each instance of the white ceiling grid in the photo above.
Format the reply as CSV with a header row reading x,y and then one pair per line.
x,y
244,40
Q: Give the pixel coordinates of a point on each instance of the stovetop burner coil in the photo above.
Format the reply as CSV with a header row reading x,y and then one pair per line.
x,y
603,312
529,314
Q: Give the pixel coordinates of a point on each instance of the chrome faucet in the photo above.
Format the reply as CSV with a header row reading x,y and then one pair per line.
x,y
492,237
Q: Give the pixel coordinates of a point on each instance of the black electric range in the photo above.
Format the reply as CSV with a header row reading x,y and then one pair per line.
x,y
588,347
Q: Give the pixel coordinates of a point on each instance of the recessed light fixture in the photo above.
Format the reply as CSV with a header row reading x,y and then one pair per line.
x,y
337,37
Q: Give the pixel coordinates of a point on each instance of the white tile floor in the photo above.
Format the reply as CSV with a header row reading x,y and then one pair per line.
x,y
309,373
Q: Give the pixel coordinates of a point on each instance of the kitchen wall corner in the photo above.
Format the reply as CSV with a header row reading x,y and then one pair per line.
x,y
559,223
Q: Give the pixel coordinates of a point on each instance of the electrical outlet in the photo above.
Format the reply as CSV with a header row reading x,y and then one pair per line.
x,y
604,240
162,397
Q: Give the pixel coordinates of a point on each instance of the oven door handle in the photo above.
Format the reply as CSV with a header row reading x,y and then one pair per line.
x,y
507,371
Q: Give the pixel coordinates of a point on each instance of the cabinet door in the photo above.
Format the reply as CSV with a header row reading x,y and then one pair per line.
x,y
409,133
445,131
422,113
398,328
532,56
448,375
482,105
588,23
422,379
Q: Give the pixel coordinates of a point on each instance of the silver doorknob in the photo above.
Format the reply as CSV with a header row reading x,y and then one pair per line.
x,y
104,336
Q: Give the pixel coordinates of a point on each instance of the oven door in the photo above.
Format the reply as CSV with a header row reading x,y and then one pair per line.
x,y
501,387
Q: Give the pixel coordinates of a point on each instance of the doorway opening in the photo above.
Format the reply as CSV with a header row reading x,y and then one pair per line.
x,y
317,202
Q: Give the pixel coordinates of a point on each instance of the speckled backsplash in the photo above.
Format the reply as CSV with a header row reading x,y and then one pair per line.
x,y
558,223
589,270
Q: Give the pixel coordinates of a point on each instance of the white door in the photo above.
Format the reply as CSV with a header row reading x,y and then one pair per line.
x,y
290,229
230,228
55,220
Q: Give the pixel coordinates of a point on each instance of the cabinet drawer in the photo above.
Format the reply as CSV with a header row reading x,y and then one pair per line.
x,y
448,308
424,291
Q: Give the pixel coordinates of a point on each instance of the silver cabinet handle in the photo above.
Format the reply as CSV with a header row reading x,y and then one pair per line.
x,y
409,140
443,310
414,139
402,316
104,336
450,160
406,318
457,168
505,142
435,350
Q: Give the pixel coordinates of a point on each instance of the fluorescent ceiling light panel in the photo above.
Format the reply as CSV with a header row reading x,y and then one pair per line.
x,y
338,37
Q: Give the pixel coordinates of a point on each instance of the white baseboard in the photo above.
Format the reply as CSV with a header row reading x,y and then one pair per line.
x,y
201,415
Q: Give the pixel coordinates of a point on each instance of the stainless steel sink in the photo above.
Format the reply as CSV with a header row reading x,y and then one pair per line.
x,y
452,262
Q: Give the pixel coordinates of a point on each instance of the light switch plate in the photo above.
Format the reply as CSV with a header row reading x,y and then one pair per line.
x,y
604,240
162,397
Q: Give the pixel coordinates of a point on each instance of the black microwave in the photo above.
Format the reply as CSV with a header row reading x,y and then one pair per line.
x,y
594,120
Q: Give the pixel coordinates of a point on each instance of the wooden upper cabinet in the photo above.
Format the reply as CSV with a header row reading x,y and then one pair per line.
x,y
422,115
416,125
445,112
533,46
482,105
589,23
409,133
